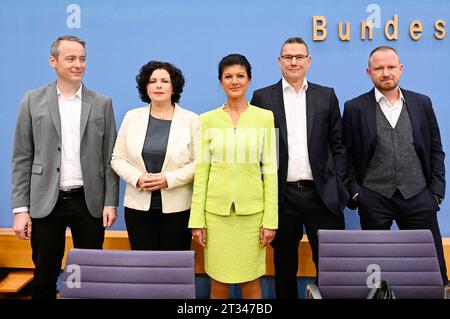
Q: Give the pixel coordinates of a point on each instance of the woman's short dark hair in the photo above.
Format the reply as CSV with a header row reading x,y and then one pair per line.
x,y
176,77
235,59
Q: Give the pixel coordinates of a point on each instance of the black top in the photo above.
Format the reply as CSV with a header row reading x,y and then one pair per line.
x,y
154,151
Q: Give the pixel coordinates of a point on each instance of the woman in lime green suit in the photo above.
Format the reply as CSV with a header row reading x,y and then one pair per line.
x,y
234,213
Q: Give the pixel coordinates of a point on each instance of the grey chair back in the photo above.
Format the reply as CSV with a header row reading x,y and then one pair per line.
x,y
351,261
125,274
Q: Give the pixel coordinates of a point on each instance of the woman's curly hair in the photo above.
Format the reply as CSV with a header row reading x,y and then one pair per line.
x,y
176,77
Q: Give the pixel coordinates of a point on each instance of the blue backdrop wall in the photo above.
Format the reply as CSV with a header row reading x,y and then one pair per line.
x,y
122,36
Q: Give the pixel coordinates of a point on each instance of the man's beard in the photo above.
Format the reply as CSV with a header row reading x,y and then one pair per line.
x,y
387,86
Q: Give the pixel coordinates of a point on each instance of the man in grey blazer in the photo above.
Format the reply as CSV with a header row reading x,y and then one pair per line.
x,y
61,172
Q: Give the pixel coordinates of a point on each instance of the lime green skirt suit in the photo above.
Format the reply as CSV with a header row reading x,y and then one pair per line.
x,y
235,192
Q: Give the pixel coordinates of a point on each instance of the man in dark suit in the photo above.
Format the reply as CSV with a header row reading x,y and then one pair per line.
x,y
395,158
61,172
312,161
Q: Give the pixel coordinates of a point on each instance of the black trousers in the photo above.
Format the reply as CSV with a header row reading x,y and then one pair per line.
x,y
302,207
48,239
417,212
153,230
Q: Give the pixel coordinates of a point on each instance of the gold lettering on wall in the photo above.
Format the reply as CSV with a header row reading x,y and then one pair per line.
x,y
366,26
415,30
439,25
319,28
394,24
346,36
391,29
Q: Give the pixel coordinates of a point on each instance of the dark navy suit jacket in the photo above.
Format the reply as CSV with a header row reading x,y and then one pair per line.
x,y
324,134
360,138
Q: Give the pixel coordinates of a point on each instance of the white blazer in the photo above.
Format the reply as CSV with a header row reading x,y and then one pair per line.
x,y
178,164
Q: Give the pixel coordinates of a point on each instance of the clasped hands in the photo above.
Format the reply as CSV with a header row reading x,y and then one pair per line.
x,y
152,181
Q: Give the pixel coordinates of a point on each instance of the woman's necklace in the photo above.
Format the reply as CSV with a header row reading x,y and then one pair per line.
x,y
167,115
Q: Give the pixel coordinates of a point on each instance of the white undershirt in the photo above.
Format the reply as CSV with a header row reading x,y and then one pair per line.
x,y
391,112
70,113
299,167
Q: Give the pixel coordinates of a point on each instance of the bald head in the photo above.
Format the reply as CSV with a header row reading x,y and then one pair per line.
x,y
383,48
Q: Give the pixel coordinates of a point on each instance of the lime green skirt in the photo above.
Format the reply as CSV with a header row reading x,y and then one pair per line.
x,y
233,251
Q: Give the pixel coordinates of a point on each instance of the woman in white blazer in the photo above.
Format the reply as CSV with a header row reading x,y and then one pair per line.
x,y
154,155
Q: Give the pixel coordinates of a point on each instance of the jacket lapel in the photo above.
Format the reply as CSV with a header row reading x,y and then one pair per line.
x,y
140,128
52,102
177,119
310,109
86,103
278,110
370,111
413,112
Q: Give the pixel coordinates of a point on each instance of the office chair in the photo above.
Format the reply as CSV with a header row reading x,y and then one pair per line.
x,y
126,274
353,261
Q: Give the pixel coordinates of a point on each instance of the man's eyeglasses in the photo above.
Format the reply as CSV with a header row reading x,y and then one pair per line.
x,y
289,58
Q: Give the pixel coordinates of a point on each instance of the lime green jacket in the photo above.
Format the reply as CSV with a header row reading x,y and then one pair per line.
x,y
236,166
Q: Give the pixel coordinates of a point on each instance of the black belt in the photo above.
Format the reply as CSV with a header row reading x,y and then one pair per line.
x,y
73,193
302,184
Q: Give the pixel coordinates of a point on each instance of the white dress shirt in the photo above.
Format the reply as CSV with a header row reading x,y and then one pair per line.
x,y
70,113
391,112
299,167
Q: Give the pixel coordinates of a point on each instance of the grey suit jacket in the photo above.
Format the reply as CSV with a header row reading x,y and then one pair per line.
x,y
36,156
